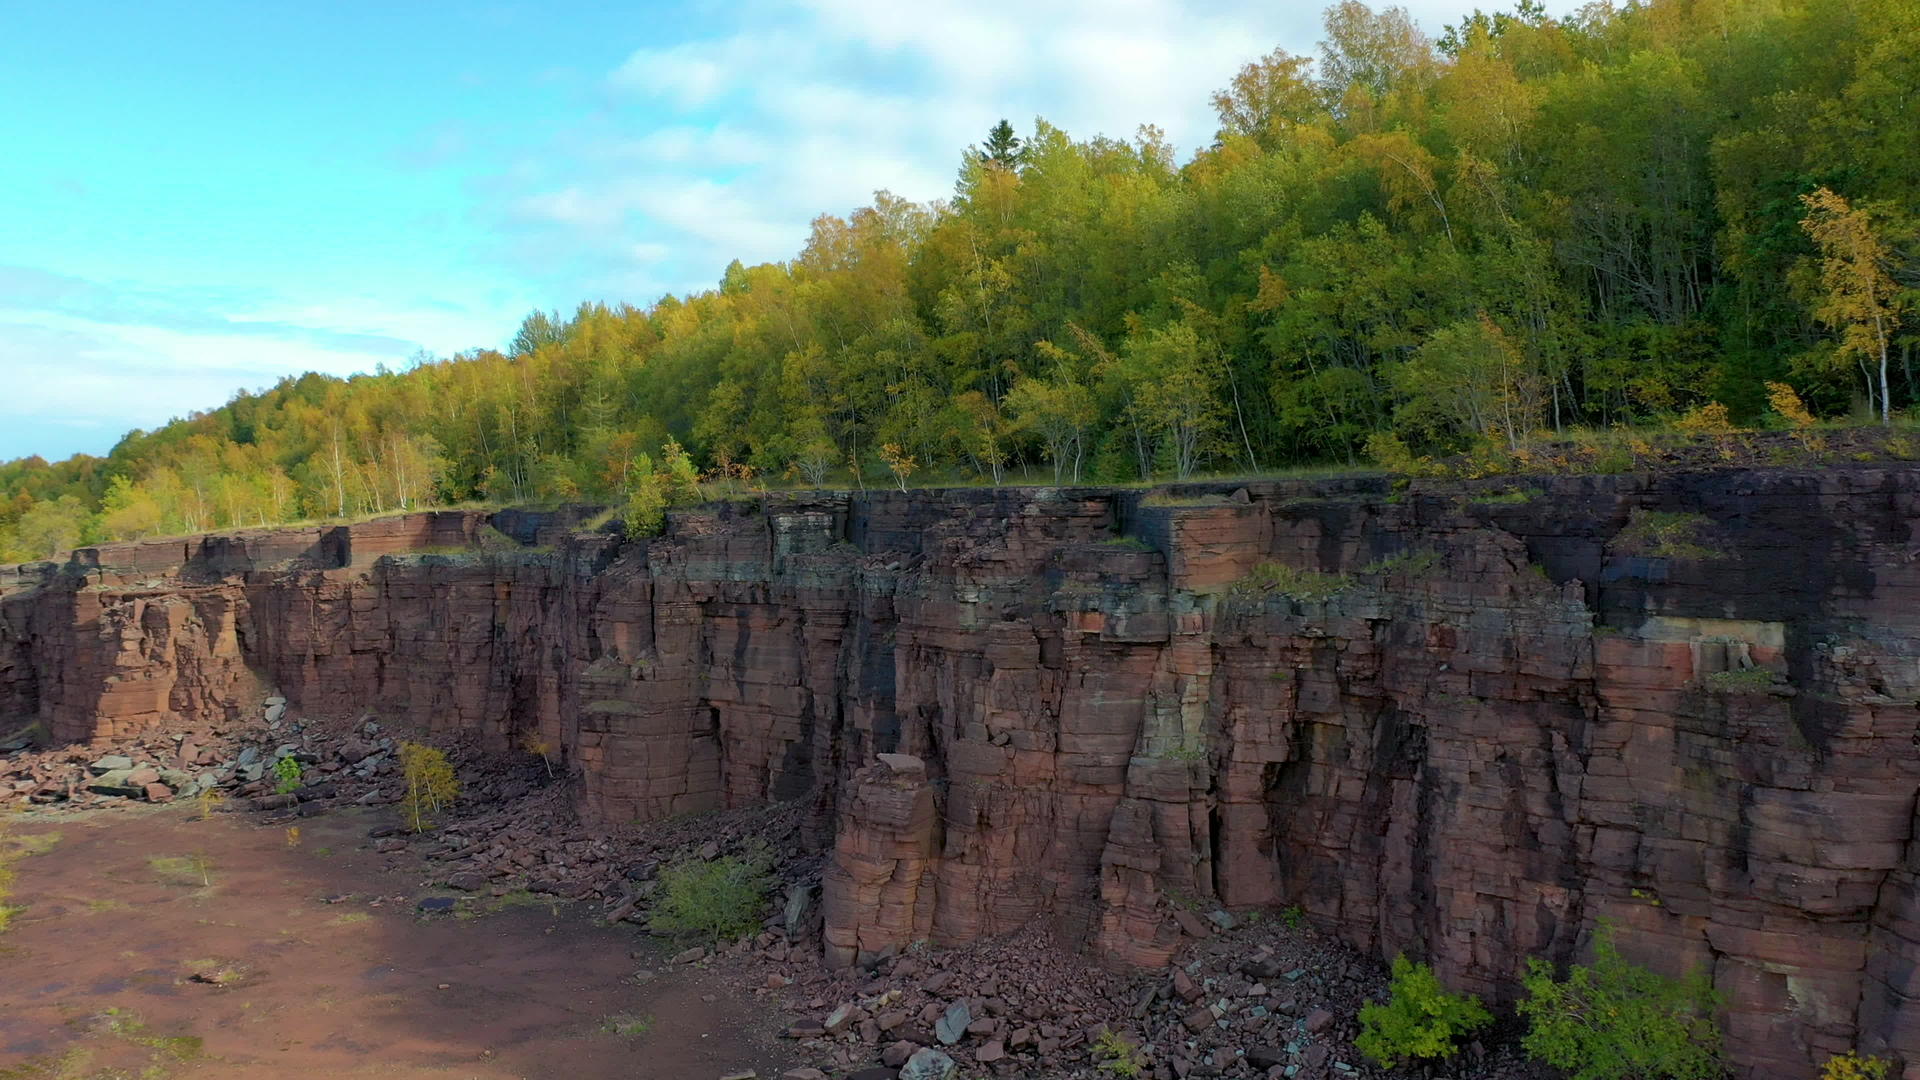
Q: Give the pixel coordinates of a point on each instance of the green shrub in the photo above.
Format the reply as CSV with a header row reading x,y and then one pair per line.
x,y
1614,460
682,476
1666,534
1391,453
646,510
288,772
1421,1021
1165,499
1273,577
1615,1020
1753,680
1118,1054
720,898
1505,497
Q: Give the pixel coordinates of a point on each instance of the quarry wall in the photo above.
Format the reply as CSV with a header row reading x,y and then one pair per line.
x,y
1463,720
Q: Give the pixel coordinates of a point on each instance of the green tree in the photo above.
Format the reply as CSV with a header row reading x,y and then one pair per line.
x,y
128,512
1002,148
1615,1020
52,526
1059,412
1268,98
1172,377
538,329
1469,379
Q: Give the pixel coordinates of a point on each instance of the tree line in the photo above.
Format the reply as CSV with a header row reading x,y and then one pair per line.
x,y
1528,224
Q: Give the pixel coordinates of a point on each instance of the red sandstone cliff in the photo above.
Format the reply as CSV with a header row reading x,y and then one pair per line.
x,y
1685,703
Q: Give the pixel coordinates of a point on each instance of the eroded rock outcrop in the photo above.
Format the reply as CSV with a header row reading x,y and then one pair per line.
x,y
1462,721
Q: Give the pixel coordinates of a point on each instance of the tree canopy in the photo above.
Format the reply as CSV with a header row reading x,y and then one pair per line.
x,y
1531,223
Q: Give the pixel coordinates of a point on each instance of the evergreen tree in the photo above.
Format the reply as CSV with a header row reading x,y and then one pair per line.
x,y
1003,148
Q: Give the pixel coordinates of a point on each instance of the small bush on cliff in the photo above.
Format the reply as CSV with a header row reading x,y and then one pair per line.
x,y
1412,563
1308,585
1421,1021
1754,680
1666,535
646,510
431,785
719,898
1615,1020
1511,496
1851,1066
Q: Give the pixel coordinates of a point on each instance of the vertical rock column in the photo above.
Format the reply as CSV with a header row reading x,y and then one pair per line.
x,y
878,891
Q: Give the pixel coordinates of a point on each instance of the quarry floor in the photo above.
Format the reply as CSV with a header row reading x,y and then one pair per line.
x,y
156,944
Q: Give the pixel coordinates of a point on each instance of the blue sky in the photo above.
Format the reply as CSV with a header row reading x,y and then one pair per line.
x,y
200,197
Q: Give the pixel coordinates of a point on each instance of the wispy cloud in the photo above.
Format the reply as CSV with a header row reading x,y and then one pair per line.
x,y
95,359
95,382
25,289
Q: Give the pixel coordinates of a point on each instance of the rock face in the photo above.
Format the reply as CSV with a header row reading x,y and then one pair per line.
x,y
1463,721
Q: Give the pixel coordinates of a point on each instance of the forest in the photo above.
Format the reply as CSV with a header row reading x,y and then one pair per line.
x,y
1524,228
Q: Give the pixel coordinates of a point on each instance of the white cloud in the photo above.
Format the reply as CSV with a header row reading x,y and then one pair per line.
x,y
683,144
100,380
104,358
694,73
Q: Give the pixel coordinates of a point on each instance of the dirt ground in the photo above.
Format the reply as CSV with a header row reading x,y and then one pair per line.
x,y
152,944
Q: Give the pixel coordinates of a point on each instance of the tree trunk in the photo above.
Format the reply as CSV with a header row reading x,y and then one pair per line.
x,y
1886,399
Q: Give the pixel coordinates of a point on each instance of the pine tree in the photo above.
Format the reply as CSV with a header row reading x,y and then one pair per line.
x,y
1003,148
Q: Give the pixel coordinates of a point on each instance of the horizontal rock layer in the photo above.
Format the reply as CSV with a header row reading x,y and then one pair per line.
x,y
1466,722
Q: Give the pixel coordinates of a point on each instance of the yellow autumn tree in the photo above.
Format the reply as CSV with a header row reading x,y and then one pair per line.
x,y
1858,298
431,784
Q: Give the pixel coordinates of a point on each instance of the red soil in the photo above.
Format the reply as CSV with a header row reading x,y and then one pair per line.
x,y
96,973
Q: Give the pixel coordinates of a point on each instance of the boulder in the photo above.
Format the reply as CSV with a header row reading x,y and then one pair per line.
x,y
952,1025
929,1064
117,782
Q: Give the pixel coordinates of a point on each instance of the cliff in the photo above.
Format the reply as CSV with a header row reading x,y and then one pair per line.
x,y
1464,721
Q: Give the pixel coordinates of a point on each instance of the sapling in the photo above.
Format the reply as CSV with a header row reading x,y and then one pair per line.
x,y
289,773
431,785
